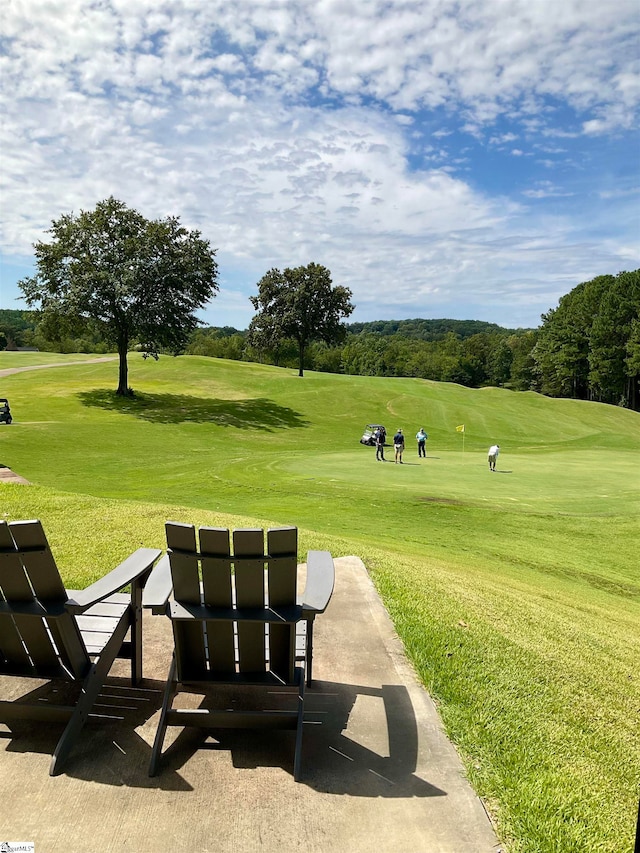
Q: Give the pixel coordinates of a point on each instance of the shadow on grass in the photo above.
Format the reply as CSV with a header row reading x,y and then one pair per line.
x,y
258,413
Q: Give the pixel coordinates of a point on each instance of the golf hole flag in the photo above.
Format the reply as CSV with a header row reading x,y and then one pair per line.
x,y
460,428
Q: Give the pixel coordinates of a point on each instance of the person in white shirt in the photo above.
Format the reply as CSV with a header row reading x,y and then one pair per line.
x,y
421,438
494,450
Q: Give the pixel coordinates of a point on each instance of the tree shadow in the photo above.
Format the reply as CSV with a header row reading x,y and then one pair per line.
x,y
257,413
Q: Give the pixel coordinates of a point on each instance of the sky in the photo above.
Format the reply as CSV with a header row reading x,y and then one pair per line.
x,y
467,159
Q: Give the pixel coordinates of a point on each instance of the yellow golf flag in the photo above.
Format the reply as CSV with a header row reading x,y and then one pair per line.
x,y
460,428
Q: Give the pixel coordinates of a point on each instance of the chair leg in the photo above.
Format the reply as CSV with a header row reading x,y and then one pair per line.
x,y
309,655
169,692
91,687
297,759
136,629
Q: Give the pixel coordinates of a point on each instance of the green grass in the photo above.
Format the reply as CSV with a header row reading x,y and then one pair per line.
x,y
516,594
29,359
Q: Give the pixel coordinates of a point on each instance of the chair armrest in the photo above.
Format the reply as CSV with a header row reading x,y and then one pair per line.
x,y
320,581
159,587
127,572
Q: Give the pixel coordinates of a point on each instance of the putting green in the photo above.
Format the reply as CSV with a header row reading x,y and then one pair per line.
x,y
579,482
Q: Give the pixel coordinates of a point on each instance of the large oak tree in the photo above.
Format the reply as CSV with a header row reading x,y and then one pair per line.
x,y
138,281
299,303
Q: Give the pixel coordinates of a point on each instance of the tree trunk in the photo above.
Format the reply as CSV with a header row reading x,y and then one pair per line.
x,y
301,362
123,373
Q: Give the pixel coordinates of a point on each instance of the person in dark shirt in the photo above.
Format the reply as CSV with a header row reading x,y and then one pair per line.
x,y
379,437
398,445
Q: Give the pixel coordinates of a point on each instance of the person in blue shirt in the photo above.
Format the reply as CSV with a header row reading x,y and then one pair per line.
x,y
421,438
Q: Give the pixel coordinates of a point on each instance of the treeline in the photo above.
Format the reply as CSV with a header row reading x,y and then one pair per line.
x,y
25,329
495,357
427,330
588,347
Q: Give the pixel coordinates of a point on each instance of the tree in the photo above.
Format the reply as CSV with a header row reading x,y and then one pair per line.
x,y
562,351
499,361
522,364
586,347
301,304
136,281
612,375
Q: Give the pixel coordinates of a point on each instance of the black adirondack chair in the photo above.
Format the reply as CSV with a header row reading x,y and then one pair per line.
x,y
48,632
235,618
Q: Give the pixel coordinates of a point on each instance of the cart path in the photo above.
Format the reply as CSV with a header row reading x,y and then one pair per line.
x,y
8,476
9,370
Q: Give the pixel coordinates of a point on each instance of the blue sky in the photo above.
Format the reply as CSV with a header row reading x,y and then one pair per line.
x,y
473,159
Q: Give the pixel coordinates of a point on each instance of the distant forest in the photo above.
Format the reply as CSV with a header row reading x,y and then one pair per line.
x,y
586,348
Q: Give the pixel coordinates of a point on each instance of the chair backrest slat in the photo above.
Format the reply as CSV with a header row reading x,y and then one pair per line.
x,y
181,539
217,586
216,566
37,559
282,543
188,636
14,581
249,583
249,574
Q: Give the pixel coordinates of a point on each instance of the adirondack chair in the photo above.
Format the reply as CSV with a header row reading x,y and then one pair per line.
x,y
234,618
43,635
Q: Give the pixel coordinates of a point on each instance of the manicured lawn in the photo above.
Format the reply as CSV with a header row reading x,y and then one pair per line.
x,y
517,594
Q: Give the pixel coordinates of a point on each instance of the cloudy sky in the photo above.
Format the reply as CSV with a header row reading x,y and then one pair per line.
x,y
473,159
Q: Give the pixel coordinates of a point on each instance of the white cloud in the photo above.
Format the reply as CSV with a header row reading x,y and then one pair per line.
x,y
619,193
503,138
289,132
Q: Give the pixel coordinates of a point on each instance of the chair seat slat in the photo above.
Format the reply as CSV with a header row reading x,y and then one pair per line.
x,y
283,615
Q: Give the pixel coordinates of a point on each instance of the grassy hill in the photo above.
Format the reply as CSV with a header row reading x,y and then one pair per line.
x,y
517,594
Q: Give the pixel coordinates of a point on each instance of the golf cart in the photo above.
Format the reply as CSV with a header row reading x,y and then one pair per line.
x,y
5,411
369,434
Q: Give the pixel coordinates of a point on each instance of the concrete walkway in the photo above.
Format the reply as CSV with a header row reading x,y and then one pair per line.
x,y
378,772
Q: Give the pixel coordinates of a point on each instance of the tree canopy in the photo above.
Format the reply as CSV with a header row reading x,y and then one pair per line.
x,y
137,281
588,347
299,303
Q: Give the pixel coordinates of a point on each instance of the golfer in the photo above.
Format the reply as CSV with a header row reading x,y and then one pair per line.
x,y
398,445
421,438
494,450
379,439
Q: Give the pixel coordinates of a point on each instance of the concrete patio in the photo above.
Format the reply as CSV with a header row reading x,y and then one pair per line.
x,y
378,772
